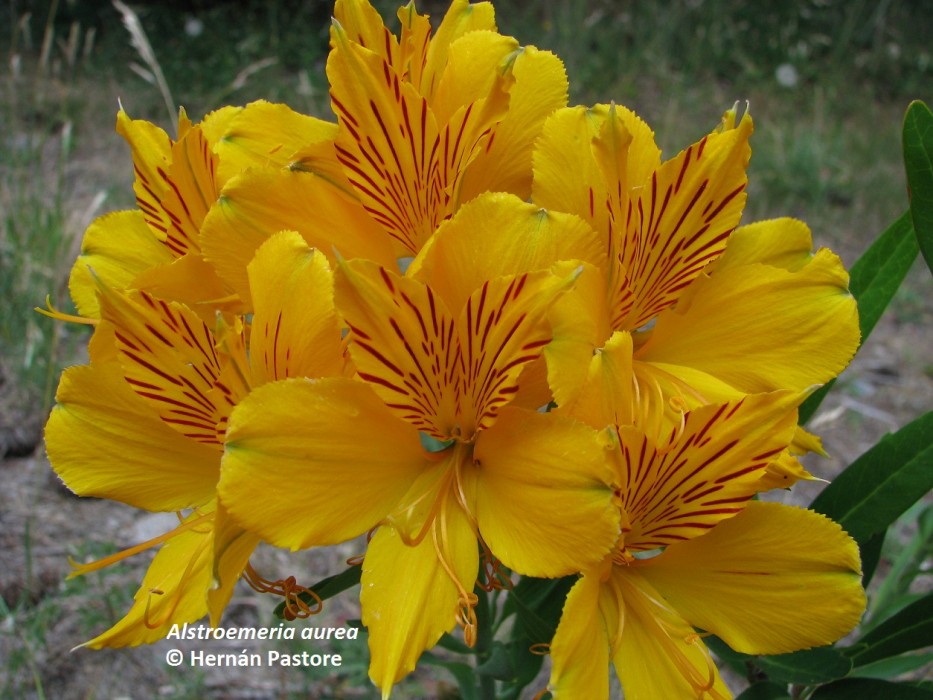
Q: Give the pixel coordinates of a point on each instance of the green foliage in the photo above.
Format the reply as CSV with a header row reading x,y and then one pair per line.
x,y
918,157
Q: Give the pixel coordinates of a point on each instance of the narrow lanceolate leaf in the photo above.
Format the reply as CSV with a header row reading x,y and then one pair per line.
x,y
765,691
169,360
911,628
873,280
862,688
807,667
918,159
883,482
673,492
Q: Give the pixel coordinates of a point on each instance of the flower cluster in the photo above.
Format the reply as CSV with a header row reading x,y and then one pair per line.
x,y
499,334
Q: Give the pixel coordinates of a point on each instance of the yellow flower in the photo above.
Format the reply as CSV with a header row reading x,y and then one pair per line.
x,y
689,309
312,463
694,553
144,423
427,121
157,247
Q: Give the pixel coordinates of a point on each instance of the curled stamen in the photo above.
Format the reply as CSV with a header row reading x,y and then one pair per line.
x,y
494,577
357,559
540,649
294,595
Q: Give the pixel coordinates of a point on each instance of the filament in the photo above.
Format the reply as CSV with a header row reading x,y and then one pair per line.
x,y
81,569
52,312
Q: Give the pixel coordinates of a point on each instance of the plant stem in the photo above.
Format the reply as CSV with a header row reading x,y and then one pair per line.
x,y
487,684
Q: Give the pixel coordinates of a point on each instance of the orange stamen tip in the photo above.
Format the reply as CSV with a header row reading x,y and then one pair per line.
x,y
293,594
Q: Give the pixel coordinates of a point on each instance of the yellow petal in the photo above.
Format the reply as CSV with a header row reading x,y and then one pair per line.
x,y
191,189
152,151
785,243
607,396
404,343
192,281
588,161
169,360
544,503
265,134
684,215
473,62
658,654
771,580
784,330
505,164
232,547
363,25
409,177
106,442
496,235
295,331
173,591
259,203
116,247
784,472
217,122
706,473
311,463
410,596
580,648
461,18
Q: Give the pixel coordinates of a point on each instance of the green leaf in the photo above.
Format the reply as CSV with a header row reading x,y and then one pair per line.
x,y
737,661
870,688
894,666
765,691
464,674
873,280
911,628
870,551
884,482
327,588
807,667
918,161
537,605
906,564
499,664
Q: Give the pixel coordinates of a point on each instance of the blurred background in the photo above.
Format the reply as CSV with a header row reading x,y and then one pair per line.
x,y
828,82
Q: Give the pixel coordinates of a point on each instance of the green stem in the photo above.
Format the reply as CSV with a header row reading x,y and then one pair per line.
x,y
487,684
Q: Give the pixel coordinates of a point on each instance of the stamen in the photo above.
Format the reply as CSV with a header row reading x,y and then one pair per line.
x,y
52,312
82,569
357,559
540,649
494,577
296,607
467,600
667,634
